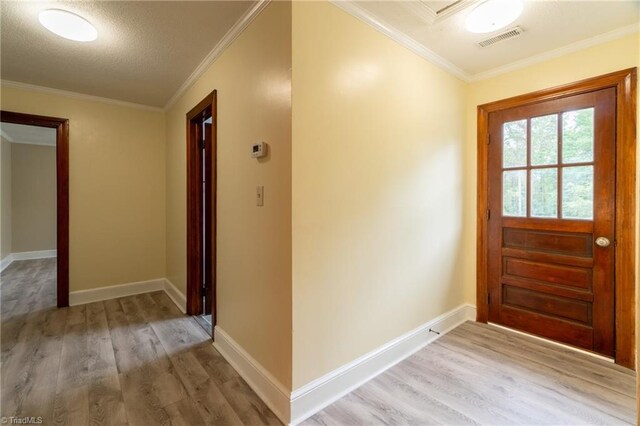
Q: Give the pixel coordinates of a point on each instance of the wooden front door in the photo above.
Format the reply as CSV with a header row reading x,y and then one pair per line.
x,y
551,227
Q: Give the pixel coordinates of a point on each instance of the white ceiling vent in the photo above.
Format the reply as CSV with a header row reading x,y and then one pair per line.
x,y
434,11
505,35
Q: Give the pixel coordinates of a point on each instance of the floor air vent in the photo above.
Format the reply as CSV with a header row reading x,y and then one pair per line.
x,y
513,32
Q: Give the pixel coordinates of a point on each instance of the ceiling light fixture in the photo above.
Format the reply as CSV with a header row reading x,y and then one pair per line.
x,y
68,25
493,15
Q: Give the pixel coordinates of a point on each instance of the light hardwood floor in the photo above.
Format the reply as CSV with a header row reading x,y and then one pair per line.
x,y
135,360
481,374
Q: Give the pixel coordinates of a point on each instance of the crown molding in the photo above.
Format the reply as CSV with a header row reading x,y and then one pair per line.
x,y
416,47
556,53
419,49
220,47
76,95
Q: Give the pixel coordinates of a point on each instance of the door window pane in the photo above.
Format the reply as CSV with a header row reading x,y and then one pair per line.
x,y
544,140
577,136
544,192
514,143
514,193
577,192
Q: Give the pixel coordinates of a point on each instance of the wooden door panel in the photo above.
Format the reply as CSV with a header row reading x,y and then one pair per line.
x,y
547,304
571,244
548,224
546,275
583,262
549,272
543,287
565,331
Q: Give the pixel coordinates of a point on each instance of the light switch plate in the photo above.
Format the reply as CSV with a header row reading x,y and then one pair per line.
x,y
259,196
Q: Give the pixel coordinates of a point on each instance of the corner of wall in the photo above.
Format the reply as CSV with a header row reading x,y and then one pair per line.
x,y
252,77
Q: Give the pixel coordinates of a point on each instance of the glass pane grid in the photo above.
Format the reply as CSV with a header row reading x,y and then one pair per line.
x,y
547,176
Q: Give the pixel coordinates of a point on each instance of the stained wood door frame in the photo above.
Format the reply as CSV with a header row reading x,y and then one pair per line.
x,y
205,109
62,192
625,82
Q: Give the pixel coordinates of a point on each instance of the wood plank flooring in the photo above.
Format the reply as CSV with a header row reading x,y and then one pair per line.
x,y
481,374
135,360
138,361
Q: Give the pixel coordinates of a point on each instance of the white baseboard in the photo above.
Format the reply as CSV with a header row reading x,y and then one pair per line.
x,y
267,387
316,395
26,255
105,293
6,261
175,295
295,407
129,289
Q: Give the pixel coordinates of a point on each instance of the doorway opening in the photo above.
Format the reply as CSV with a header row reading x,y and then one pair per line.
x,y
61,129
201,212
556,214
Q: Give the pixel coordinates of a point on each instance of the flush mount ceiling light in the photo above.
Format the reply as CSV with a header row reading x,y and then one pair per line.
x,y
493,15
68,25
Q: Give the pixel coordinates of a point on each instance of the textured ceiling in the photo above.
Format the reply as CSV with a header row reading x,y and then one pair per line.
x,y
145,49
547,25
20,133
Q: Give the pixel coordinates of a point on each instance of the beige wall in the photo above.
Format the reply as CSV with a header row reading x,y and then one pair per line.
x,y
116,187
254,243
33,201
5,198
378,141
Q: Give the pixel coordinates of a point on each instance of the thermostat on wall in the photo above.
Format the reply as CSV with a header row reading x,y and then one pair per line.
x,y
259,149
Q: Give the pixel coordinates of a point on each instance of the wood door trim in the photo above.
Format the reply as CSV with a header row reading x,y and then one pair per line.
x,y
205,108
208,205
625,82
62,192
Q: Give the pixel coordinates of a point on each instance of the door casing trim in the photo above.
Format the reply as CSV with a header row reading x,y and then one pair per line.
x,y
625,82
206,107
62,192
